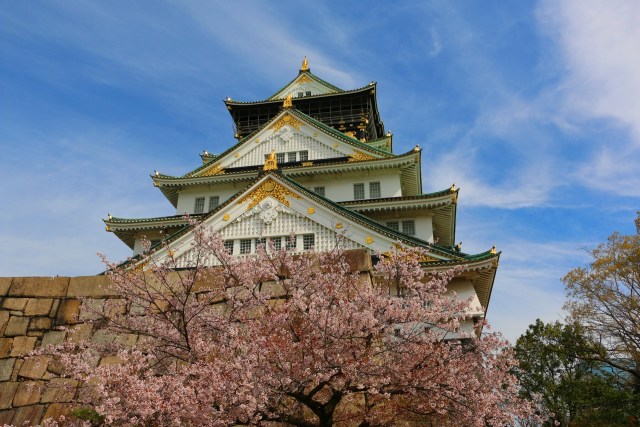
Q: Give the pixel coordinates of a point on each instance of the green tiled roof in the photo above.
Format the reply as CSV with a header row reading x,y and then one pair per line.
x,y
273,100
311,76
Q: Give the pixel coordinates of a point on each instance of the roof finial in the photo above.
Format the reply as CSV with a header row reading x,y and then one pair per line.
x,y
453,187
305,64
270,163
493,250
288,102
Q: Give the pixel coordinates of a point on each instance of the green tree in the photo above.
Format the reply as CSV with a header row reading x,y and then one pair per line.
x,y
578,392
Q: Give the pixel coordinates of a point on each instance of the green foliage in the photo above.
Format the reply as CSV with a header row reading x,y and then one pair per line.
x,y
580,392
89,414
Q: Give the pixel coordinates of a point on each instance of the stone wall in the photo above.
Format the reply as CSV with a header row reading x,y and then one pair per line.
x,y
31,311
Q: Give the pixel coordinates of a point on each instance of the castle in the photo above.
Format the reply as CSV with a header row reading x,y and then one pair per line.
x,y
313,160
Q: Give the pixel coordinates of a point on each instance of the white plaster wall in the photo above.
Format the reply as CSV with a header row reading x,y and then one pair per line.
x,y
187,198
339,187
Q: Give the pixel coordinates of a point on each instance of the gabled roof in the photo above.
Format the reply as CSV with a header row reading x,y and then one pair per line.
x,y
367,88
226,156
302,77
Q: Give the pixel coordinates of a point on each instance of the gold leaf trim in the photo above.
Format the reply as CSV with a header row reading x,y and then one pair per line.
x,y
368,240
214,170
226,217
311,211
266,189
307,163
359,156
287,120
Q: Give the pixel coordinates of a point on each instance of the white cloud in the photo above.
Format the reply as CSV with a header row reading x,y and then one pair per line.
x,y
599,44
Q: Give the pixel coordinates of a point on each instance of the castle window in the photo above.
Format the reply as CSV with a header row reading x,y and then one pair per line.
x,y
277,243
214,201
262,241
358,191
291,157
291,243
245,246
304,156
280,157
228,246
394,225
308,241
409,228
300,94
199,207
319,190
308,93
374,190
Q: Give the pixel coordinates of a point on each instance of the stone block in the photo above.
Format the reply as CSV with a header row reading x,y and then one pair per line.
x,y
5,284
110,360
16,369
28,393
40,324
6,416
59,390
91,309
14,303
4,319
91,287
17,325
38,307
23,345
57,410
126,340
45,287
34,367
103,337
29,415
53,338
54,308
5,346
55,367
115,307
81,332
6,369
7,392
68,312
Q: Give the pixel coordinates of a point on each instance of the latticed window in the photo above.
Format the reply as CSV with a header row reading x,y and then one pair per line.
x,y
277,242
394,225
280,157
214,201
374,190
308,241
300,94
291,157
319,190
228,246
358,191
261,241
409,227
308,93
245,246
291,243
304,156
199,207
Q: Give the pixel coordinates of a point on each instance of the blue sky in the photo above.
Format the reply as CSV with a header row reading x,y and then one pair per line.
x,y
532,108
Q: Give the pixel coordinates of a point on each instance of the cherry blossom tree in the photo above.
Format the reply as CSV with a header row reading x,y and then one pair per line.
x,y
297,340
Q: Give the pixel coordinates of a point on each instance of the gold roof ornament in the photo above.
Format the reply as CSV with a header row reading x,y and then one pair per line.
x,y
389,132
493,250
416,148
453,187
270,163
305,64
288,102
109,216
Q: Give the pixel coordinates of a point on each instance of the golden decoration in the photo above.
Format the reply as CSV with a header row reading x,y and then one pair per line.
x,y
155,184
107,228
288,102
237,155
214,170
315,134
351,134
311,211
453,187
307,164
416,148
339,226
287,120
305,64
335,145
359,156
270,162
493,250
226,217
171,253
368,240
303,79
427,258
257,140
268,188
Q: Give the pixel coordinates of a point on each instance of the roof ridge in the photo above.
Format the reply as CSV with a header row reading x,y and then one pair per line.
x,y
312,76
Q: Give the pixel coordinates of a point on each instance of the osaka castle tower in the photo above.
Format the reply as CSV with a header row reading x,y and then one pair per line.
x,y
314,160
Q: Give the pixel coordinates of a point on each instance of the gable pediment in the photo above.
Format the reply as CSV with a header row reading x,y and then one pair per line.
x,y
306,84
296,138
275,207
